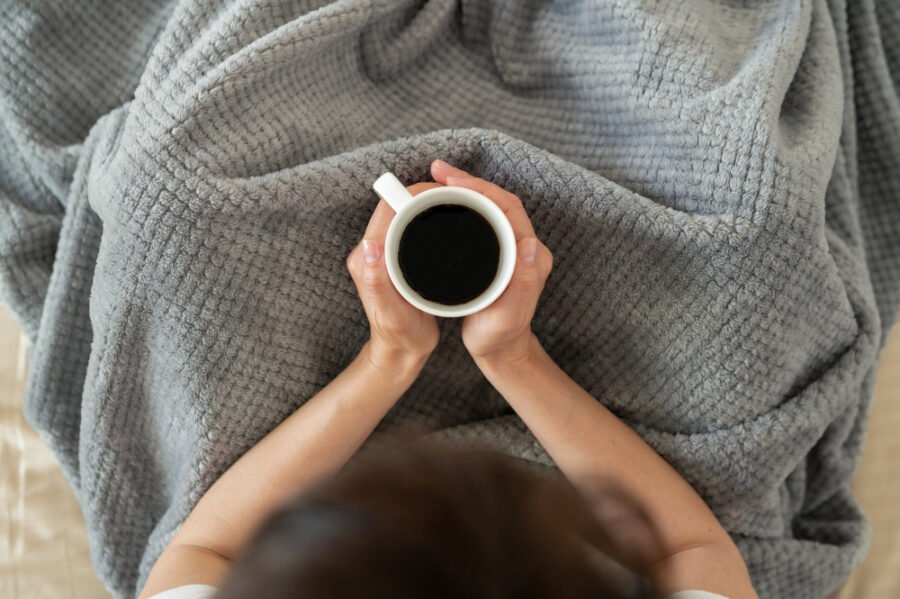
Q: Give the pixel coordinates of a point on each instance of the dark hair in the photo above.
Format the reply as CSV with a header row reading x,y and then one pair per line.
x,y
416,520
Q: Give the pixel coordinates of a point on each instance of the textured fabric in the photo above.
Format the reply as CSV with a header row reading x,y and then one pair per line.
x,y
181,183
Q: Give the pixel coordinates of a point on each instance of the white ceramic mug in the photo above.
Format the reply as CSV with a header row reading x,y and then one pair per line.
x,y
407,206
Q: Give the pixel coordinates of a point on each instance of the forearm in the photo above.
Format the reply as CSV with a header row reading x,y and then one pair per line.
x,y
315,441
588,442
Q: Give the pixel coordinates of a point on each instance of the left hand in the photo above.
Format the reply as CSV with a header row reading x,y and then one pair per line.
x,y
401,335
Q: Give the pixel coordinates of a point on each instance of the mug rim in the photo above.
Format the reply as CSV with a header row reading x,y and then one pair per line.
x,y
496,219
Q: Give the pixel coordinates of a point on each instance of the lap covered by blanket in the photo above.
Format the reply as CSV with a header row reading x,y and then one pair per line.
x,y
181,182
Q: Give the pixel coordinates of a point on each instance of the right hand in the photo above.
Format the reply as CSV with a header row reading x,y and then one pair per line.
x,y
501,333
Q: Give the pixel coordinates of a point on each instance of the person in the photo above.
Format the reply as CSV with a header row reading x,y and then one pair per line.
x,y
691,554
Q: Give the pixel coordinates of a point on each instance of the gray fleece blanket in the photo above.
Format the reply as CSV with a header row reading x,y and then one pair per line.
x,y
181,181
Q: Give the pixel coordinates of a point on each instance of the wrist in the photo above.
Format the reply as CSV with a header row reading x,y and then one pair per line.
x,y
519,357
392,362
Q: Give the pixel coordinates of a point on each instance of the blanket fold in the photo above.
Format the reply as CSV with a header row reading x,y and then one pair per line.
x,y
181,181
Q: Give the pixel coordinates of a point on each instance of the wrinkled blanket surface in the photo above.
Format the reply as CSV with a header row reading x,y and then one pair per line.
x,y
181,181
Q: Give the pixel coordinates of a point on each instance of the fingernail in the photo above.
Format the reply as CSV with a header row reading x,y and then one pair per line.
x,y
371,252
453,180
450,168
529,249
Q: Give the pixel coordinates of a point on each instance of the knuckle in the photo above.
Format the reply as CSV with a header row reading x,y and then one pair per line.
x,y
494,192
512,198
508,201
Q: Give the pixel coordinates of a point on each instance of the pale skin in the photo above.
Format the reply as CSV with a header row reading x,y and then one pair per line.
x,y
583,438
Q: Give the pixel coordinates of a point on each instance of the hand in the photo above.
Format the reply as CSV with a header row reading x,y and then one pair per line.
x,y
501,333
401,335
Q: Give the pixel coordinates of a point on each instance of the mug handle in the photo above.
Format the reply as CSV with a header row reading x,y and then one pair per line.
x,y
392,190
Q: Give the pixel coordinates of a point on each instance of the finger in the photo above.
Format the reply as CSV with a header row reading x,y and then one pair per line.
x,y
508,202
528,278
381,217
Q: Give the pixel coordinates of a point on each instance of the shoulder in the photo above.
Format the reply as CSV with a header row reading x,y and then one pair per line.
x,y
188,591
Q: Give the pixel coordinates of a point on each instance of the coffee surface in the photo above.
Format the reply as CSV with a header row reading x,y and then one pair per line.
x,y
449,254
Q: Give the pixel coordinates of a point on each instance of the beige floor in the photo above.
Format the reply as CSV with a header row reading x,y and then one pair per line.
x,y
43,549
877,484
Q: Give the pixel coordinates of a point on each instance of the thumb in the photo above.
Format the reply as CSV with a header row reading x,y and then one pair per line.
x,y
374,276
527,275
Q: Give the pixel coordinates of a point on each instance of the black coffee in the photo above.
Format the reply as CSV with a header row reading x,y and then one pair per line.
x,y
449,254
